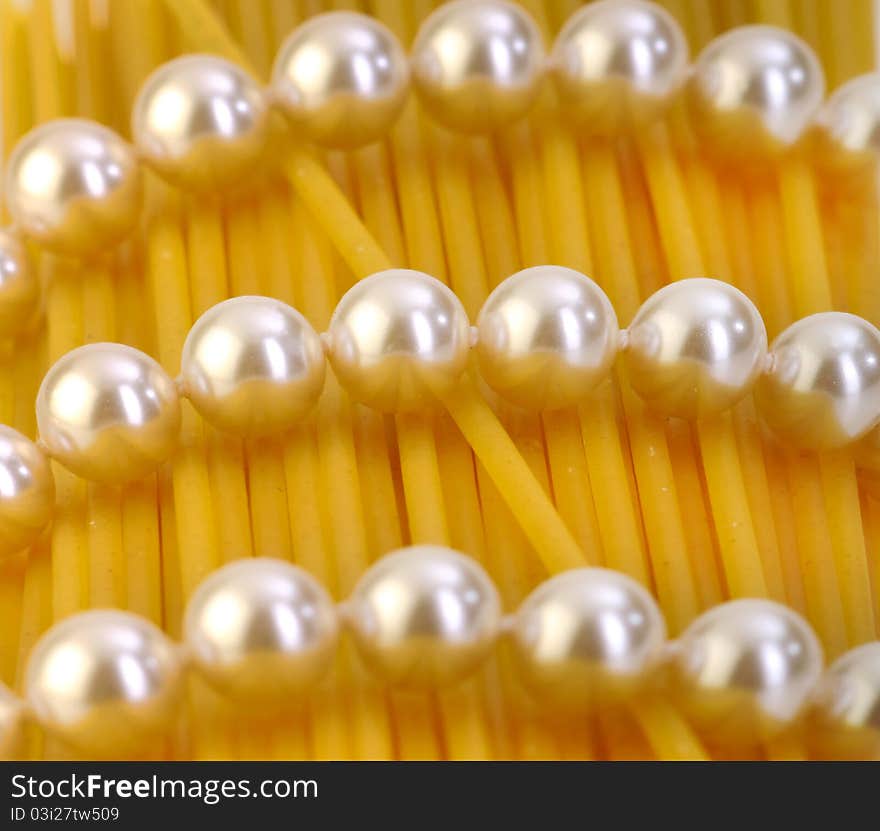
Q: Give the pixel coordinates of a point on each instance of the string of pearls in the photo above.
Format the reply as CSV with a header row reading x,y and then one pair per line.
x,y
341,79
399,340
264,632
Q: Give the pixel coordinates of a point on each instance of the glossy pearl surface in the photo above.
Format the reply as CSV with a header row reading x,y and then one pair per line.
x,y
587,633
756,89
746,668
848,125
398,339
695,347
477,64
200,122
106,682
27,491
546,337
12,733
108,413
341,78
424,616
848,702
252,365
617,64
261,629
823,388
74,186
19,287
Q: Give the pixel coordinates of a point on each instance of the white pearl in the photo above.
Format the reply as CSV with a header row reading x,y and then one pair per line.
x,y
546,337
823,388
848,703
108,413
261,629
695,347
746,668
756,89
27,491
252,365
848,126
74,186
618,63
398,340
424,616
19,286
200,122
477,64
341,78
106,682
587,634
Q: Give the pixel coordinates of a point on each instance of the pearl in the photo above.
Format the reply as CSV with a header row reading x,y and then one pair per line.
x,y
19,287
617,64
755,90
746,668
108,413
546,337
27,491
848,126
252,365
341,79
261,629
398,340
695,347
74,186
200,122
424,616
823,388
105,682
848,703
12,725
477,64
587,633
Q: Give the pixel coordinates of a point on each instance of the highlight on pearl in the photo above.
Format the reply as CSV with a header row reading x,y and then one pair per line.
x,y
398,340
200,122
252,366
341,78
756,90
261,629
745,669
847,703
74,187
424,616
105,682
19,287
823,388
546,337
695,347
587,634
27,491
108,413
847,127
617,64
477,65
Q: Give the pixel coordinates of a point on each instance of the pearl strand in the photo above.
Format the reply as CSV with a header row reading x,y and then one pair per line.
x,y
399,340
341,79
264,632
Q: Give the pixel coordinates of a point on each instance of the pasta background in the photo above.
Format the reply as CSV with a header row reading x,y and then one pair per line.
x,y
700,513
